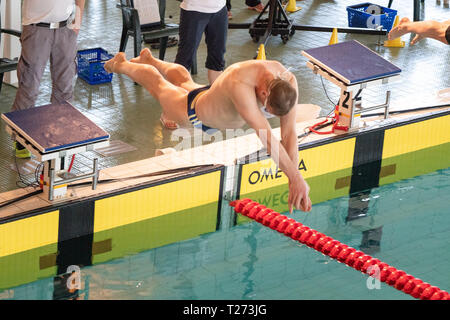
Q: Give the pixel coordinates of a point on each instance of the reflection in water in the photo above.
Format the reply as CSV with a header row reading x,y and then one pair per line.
x,y
185,286
358,209
411,215
251,240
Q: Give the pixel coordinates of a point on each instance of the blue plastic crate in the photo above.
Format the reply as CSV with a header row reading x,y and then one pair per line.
x,y
90,65
359,18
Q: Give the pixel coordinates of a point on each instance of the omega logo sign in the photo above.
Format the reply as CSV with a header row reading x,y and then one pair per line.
x,y
269,174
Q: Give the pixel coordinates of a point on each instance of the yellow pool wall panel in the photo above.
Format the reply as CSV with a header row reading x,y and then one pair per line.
x,y
155,232
156,201
27,266
30,233
416,136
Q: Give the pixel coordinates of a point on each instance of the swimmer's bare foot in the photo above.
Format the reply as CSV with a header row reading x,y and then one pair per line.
x,y
145,57
112,64
168,124
399,30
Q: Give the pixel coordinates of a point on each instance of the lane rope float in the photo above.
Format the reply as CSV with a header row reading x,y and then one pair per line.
x,y
356,259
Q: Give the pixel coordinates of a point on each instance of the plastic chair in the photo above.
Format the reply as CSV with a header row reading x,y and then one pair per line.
x,y
6,64
132,28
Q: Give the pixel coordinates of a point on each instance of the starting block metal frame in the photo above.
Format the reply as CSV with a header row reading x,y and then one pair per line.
x,y
34,137
359,77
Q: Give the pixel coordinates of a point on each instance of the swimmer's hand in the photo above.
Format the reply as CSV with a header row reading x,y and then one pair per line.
x,y
299,194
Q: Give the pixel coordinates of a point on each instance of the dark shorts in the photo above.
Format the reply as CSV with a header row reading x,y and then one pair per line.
x,y
252,3
192,26
447,35
192,115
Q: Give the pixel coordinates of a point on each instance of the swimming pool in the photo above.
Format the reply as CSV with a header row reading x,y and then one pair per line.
x,y
405,224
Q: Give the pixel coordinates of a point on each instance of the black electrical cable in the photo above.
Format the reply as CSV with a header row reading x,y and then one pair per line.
x,y
152,174
146,175
306,133
22,183
25,196
326,93
404,111
37,172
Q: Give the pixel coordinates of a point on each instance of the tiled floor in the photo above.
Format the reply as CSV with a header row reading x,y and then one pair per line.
x,y
131,115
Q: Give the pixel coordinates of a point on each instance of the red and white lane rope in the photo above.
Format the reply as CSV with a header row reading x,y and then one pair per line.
x,y
356,259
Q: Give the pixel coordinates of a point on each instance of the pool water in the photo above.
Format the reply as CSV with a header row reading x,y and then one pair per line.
x,y
405,224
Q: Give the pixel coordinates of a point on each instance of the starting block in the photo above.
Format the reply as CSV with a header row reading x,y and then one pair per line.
x,y
52,133
352,67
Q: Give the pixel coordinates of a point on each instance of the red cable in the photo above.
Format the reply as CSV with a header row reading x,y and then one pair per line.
x,y
356,259
334,120
71,163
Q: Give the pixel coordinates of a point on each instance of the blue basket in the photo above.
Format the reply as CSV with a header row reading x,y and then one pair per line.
x,y
359,18
90,65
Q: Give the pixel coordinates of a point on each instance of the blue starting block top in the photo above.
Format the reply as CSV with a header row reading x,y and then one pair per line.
x,y
55,127
351,62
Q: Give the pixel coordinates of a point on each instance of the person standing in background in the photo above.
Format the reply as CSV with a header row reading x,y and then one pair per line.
x,y
49,32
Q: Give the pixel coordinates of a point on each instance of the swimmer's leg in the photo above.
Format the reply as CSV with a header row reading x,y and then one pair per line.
x,y
173,72
172,98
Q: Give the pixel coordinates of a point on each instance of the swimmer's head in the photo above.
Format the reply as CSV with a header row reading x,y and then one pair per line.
x,y
281,97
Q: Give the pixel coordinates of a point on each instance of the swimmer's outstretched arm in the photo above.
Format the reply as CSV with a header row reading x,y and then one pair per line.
x,y
245,102
288,125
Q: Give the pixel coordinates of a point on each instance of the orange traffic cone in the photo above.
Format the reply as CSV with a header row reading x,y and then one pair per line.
x,y
292,6
397,42
334,37
261,53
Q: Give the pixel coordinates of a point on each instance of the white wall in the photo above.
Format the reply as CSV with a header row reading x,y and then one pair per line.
x,y
10,45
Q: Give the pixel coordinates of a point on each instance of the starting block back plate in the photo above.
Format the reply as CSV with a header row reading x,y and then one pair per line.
x,y
351,62
54,127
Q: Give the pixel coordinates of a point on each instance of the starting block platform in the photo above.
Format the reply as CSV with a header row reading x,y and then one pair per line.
x,y
52,133
352,67
351,62
54,127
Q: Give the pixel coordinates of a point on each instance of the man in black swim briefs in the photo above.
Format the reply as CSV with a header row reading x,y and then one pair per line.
x,y
233,100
